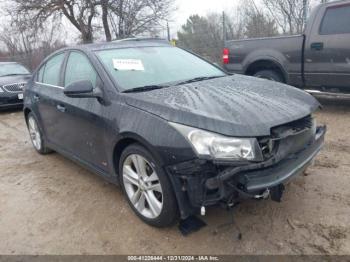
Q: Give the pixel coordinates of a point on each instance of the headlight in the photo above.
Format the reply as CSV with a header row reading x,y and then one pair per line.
x,y
217,146
1,91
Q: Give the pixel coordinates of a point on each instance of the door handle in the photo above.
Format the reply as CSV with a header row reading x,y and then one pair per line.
x,y
317,46
36,98
61,108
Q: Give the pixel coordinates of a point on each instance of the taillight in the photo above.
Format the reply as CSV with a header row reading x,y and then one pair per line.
x,y
225,54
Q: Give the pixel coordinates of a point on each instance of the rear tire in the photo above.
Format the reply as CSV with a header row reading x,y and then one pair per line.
x,y
36,135
269,75
147,187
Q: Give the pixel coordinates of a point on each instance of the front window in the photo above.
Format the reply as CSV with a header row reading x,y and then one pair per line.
x,y
146,66
336,21
13,69
79,68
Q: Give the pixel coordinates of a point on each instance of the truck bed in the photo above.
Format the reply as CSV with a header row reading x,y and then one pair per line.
x,y
288,49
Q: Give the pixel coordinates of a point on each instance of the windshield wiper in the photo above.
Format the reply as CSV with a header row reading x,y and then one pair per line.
x,y
197,79
144,88
153,87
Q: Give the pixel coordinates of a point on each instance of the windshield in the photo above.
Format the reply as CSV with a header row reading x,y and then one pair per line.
x,y
147,66
13,69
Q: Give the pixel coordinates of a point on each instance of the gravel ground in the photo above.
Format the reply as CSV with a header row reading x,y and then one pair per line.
x,y
50,205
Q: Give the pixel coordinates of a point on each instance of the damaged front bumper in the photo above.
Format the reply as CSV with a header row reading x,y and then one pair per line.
x,y
202,183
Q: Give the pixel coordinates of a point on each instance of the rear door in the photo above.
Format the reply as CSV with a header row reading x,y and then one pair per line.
x,y
47,91
327,50
82,121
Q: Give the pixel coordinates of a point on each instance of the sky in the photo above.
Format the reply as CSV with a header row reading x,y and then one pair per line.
x,y
188,7
185,8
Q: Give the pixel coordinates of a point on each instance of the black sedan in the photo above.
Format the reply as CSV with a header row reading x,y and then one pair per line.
x,y
176,132
13,78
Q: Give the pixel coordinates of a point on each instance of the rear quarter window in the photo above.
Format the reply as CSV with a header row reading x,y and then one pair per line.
x,y
40,74
51,74
336,21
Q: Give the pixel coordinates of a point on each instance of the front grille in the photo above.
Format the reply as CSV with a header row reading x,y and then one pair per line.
x,y
289,138
14,88
303,123
293,128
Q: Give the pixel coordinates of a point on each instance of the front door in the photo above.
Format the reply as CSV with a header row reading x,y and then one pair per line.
x,y
327,50
83,123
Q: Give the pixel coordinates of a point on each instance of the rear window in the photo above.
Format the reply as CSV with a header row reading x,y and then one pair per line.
x,y
336,21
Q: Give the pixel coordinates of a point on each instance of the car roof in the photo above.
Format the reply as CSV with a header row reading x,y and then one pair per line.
x,y
124,43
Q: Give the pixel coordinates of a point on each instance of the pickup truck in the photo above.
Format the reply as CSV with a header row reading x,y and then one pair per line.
x,y
318,60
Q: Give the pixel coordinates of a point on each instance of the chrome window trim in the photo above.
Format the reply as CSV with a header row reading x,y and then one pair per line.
x,y
40,83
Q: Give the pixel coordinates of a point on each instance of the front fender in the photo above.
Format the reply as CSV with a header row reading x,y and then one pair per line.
x,y
165,143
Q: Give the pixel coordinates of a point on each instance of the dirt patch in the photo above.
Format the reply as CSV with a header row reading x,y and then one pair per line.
x,y
325,162
49,205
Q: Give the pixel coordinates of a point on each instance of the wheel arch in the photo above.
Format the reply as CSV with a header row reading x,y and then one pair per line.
x,y
127,139
26,112
266,64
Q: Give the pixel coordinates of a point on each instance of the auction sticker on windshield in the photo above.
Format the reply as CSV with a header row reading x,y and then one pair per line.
x,y
128,64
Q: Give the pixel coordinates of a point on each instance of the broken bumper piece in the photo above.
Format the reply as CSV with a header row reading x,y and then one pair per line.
x,y
202,183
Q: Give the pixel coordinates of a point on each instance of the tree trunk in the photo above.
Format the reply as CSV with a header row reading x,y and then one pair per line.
x,y
104,4
87,37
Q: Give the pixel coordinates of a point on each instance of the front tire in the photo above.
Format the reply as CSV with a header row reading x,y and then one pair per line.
x,y
269,75
147,187
36,135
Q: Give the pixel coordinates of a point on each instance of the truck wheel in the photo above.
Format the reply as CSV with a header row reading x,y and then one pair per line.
x,y
147,187
270,75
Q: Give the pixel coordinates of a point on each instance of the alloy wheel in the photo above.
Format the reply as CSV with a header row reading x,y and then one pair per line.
x,y
142,186
34,133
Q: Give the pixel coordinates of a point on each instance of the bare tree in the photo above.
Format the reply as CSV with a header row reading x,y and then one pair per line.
x,y
122,17
79,12
29,45
288,14
203,35
235,25
132,17
258,25
105,7
256,22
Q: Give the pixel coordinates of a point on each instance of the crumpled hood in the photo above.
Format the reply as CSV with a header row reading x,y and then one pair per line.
x,y
234,105
7,80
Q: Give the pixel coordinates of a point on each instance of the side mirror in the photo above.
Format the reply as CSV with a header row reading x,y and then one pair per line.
x,y
82,89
